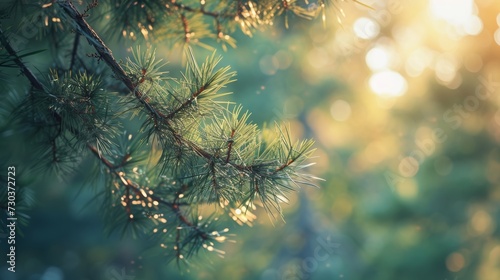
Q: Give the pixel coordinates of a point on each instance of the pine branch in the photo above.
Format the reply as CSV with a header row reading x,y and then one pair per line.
x,y
25,70
130,185
106,54
224,158
186,103
127,183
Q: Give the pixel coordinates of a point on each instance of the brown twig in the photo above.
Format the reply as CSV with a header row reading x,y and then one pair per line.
x,y
285,165
230,145
185,25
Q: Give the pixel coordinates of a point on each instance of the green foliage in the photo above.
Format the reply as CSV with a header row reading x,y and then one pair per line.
x,y
192,22
193,148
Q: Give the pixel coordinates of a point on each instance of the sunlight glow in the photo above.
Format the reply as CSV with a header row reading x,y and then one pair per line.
x,y
473,25
455,12
388,83
418,61
366,28
378,58
446,67
459,13
497,36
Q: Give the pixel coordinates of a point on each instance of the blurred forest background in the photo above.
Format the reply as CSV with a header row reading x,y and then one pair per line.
x,y
403,101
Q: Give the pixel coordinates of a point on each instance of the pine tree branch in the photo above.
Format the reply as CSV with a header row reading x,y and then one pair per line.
x,y
106,54
126,182
257,170
217,16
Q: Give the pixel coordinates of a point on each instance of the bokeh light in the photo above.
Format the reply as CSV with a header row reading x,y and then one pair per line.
x,y
366,28
402,99
340,110
378,58
388,83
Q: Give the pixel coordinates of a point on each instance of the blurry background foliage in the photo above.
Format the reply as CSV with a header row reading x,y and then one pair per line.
x,y
403,101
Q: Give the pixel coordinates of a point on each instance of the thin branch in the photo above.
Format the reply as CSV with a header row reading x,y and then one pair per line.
x,y
127,204
230,145
220,34
186,103
285,165
185,25
131,185
127,183
26,72
106,55
96,42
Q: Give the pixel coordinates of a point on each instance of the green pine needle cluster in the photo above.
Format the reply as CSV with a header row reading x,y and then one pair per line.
x,y
194,22
193,149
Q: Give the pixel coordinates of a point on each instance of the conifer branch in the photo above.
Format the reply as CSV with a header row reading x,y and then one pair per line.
x,y
105,53
86,30
25,70
215,154
108,58
127,183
